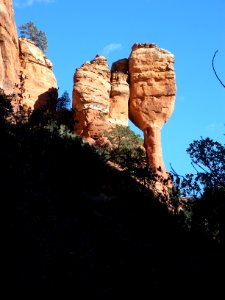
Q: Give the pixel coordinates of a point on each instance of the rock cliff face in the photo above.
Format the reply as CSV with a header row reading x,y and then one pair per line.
x,y
9,49
152,95
38,83
142,86
100,98
24,69
91,97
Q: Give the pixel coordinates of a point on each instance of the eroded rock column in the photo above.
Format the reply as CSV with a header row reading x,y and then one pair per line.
x,y
120,92
91,93
152,96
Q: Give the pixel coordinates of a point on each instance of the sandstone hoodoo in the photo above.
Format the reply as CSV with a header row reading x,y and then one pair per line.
x,y
24,69
152,95
91,94
100,97
142,87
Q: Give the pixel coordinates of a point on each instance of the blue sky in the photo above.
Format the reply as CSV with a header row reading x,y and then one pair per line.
x,y
191,29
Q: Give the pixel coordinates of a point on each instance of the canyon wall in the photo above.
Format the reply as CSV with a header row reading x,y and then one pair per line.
x,y
9,48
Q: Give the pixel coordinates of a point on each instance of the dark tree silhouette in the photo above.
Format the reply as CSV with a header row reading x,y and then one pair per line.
x,y
63,101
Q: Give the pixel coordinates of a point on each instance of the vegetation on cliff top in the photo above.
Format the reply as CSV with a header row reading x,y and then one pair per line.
x,y
30,31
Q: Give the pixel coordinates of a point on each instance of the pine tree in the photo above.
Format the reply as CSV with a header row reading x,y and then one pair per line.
x,y
30,31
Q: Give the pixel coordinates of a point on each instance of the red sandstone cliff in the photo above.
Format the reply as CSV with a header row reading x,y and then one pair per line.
x,y
38,83
9,48
24,69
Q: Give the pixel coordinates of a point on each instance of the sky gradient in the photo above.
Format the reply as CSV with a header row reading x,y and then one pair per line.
x,y
192,30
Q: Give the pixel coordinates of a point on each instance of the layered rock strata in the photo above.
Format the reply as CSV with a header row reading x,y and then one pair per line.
x,y
152,95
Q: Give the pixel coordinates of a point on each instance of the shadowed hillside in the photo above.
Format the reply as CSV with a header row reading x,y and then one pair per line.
x,y
86,227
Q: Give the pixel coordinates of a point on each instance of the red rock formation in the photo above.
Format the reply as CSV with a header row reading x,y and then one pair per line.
x,y
9,50
100,103
119,95
38,83
152,95
91,97
24,69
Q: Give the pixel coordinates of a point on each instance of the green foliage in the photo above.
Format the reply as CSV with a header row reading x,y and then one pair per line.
x,y
30,31
125,148
124,137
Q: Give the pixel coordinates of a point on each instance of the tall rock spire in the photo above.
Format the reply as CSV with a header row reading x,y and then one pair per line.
x,y
152,96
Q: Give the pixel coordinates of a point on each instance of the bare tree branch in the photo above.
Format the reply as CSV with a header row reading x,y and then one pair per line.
x,y
215,70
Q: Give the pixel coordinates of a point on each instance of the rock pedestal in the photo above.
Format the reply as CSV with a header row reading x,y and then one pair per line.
x,y
152,96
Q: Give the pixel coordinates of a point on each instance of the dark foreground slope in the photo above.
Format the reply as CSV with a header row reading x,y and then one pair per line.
x,y
83,227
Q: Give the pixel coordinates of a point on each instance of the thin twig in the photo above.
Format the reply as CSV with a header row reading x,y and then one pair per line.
x,y
215,70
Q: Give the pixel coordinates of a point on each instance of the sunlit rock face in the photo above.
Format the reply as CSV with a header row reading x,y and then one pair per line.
x,y
24,69
91,92
142,87
152,95
9,49
38,82
120,92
